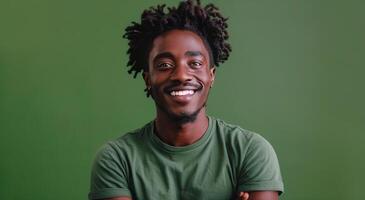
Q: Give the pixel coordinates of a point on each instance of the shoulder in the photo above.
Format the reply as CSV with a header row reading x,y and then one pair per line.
x,y
237,134
241,143
253,156
125,144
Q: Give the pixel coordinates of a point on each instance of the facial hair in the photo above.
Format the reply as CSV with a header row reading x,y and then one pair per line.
x,y
181,118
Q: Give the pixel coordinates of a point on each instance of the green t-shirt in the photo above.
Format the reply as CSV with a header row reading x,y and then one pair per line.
x,y
225,160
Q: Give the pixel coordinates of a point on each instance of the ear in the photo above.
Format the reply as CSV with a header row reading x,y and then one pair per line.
x,y
212,75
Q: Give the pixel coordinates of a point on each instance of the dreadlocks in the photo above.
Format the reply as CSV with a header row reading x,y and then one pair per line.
x,y
206,21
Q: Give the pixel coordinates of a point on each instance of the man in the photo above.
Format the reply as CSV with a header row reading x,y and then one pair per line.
x,y
183,153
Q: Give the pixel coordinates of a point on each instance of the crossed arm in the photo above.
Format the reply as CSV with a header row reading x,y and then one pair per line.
x,y
262,195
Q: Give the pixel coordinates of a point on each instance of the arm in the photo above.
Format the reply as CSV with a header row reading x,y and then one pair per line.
x,y
109,176
262,195
260,172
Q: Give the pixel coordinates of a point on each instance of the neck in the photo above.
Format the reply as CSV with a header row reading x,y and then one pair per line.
x,y
180,134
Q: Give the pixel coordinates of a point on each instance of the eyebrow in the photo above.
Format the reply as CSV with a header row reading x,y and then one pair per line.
x,y
164,55
171,56
193,53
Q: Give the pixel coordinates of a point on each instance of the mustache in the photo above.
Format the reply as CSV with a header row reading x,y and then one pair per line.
x,y
179,85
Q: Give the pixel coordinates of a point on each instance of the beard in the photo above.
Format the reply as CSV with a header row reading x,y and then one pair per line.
x,y
183,117
179,118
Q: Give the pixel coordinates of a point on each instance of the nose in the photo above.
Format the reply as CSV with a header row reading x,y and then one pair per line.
x,y
181,73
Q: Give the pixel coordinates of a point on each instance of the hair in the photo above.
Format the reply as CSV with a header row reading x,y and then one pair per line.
x,y
190,15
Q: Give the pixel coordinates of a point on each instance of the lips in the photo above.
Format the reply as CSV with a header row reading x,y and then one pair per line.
x,y
182,89
182,94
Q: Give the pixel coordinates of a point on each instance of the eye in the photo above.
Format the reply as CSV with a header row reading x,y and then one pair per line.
x,y
164,65
196,64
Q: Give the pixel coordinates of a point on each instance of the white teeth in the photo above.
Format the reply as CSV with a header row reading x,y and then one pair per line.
x,y
182,92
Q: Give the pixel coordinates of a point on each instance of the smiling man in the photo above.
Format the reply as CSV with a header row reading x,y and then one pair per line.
x,y
183,153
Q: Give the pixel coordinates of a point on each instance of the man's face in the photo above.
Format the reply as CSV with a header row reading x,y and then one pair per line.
x,y
179,74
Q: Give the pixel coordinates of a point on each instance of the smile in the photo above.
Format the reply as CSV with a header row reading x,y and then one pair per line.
x,y
182,93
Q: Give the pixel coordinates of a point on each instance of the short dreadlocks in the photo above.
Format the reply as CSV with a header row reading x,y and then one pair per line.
x,y
206,21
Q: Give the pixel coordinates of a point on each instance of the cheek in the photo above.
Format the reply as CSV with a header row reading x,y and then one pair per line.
x,y
204,77
158,78
155,92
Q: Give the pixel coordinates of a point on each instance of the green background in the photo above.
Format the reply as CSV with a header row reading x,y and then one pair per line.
x,y
296,76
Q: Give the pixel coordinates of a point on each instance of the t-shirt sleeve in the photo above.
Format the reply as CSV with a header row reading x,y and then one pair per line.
x,y
259,169
108,175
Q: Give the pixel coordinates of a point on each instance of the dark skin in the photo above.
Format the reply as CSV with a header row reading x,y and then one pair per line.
x,y
180,76
178,63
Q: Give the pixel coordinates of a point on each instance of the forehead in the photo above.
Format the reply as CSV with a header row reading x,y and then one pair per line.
x,y
178,42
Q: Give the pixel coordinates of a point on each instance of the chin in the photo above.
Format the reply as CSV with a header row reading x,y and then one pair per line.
x,y
180,115
184,117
